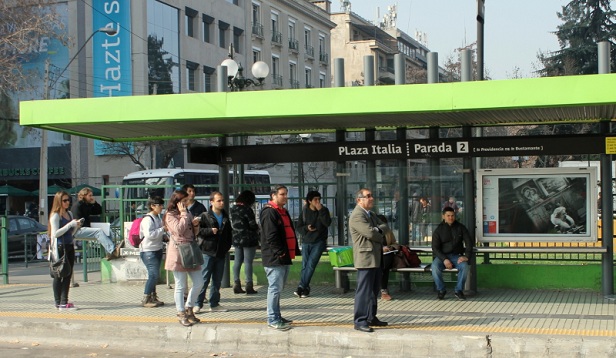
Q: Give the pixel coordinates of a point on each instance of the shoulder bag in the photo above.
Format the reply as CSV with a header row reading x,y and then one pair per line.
x,y
190,254
58,267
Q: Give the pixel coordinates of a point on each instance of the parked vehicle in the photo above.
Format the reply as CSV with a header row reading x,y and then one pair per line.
x,y
23,230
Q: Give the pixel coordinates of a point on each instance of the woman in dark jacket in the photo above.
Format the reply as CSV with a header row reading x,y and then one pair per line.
x,y
245,239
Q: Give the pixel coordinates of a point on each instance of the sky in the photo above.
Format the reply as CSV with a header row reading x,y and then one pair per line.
x,y
513,35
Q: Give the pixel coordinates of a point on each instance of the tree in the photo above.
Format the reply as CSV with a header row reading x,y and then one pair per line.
x,y
453,64
25,28
159,68
140,152
585,23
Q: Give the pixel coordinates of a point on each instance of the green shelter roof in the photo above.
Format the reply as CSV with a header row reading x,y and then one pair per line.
x,y
590,98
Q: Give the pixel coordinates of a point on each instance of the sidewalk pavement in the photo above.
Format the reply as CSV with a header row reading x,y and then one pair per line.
x,y
493,323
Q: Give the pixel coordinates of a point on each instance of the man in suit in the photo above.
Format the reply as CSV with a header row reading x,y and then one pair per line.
x,y
367,232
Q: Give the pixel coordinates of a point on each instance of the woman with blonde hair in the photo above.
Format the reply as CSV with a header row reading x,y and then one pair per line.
x,y
183,229
61,229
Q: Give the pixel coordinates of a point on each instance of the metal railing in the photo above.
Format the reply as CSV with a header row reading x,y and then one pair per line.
x,y
293,44
257,29
324,57
309,51
276,37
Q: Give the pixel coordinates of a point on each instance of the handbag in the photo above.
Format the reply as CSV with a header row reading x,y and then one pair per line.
x,y
60,268
190,254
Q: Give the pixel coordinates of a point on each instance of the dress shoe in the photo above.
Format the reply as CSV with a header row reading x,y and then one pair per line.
x,y
364,329
377,323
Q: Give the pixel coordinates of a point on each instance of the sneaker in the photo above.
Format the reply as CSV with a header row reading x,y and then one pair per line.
x,y
441,295
460,295
197,310
218,308
385,295
280,326
284,320
67,307
75,284
305,293
298,292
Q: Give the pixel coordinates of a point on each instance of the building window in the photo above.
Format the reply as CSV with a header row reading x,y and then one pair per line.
x,y
276,76
308,72
237,36
276,35
323,51
164,75
191,70
256,55
293,43
222,33
191,22
293,75
308,42
207,28
234,2
257,26
321,80
208,74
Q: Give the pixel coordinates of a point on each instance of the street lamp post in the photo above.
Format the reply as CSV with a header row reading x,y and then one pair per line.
x,y
236,79
43,210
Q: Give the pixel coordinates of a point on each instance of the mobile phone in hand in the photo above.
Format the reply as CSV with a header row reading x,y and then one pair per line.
x,y
81,221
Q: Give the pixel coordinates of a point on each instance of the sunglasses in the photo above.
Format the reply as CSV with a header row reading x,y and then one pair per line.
x,y
366,196
66,200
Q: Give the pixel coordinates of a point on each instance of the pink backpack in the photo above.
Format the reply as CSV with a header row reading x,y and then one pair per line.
x,y
134,234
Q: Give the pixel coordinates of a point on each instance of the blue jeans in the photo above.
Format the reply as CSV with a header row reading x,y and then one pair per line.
x,y
245,255
212,268
98,234
437,272
276,278
311,254
151,260
181,283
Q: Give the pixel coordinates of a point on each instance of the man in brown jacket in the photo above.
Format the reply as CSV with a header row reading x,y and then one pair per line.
x,y
367,232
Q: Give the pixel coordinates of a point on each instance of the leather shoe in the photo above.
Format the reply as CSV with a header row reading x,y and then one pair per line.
x,y
377,323
364,329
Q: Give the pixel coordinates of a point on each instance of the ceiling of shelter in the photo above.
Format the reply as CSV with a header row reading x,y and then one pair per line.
x,y
488,103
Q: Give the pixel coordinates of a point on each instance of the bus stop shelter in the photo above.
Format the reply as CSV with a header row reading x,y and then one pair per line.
x,y
554,100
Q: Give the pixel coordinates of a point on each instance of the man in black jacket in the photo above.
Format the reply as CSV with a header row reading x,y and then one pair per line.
x,y
278,249
452,246
216,233
313,224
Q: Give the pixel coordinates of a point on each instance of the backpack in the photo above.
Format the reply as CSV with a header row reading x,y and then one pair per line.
x,y
134,234
411,256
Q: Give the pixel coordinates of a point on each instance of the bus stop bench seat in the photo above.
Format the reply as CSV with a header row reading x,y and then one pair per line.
x,y
342,275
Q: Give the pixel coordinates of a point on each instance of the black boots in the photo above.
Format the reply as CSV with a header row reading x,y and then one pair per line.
x,y
237,287
249,289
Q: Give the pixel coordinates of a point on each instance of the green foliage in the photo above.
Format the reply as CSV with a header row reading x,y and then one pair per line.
x,y
160,65
585,23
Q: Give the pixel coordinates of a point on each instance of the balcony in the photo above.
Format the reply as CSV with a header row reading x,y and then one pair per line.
x,y
277,37
257,29
294,84
309,51
323,57
293,45
277,80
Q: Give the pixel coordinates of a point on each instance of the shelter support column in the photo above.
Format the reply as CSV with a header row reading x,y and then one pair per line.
x,y
223,171
607,202
341,174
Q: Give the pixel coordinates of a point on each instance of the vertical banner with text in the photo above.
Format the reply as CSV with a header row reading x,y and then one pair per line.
x,y
111,54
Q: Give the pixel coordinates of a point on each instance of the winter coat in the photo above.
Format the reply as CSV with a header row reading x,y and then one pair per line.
x,y
215,245
245,227
180,229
